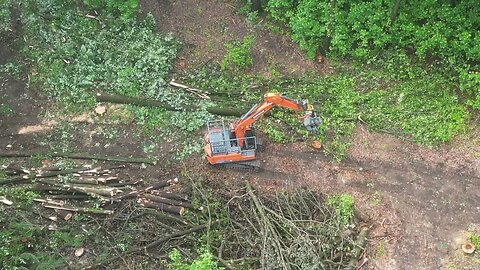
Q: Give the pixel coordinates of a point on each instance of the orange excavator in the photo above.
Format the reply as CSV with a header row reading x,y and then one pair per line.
x,y
235,145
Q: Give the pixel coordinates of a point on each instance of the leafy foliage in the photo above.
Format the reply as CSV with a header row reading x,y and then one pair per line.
x,y
4,16
11,69
439,32
357,28
22,195
204,262
238,57
18,242
80,55
74,57
343,205
470,85
125,8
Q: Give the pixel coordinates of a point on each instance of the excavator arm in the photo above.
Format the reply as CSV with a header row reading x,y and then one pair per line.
x,y
240,127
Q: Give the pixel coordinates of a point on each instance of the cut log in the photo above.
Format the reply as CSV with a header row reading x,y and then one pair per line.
x,y
45,187
154,198
162,206
86,181
135,193
49,201
159,104
97,192
170,195
5,201
104,191
65,215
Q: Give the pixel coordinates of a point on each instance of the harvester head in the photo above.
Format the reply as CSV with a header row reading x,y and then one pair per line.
x,y
311,121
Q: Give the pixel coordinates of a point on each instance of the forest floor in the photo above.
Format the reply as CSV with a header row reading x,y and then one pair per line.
x,y
420,202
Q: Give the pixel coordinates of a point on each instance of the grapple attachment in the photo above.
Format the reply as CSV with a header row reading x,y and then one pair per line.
x,y
311,121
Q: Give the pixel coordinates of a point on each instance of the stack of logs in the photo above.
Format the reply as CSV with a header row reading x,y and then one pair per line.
x,y
84,184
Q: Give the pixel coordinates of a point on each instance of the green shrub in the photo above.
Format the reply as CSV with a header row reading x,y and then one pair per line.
x,y
239,56
359,28
4,16
281,10
343,206
470,85
19,242
203,262
11,69
124,8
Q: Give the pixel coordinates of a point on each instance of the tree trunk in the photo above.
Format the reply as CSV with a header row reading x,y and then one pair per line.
x,y
162,207
159,104
395,9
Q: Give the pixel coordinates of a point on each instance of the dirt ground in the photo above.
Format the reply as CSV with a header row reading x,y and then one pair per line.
x,y
419,202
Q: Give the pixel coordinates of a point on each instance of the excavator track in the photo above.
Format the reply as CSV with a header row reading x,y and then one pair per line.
x,y
251,165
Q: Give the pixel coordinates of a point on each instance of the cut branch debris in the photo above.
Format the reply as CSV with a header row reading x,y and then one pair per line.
x,y
194,91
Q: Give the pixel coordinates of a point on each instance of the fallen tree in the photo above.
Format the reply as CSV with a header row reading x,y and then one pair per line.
x,y
159,104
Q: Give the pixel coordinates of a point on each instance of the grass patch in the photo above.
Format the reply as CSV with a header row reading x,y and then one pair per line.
x,y
12,69
239,56
5,109
475,239
380,250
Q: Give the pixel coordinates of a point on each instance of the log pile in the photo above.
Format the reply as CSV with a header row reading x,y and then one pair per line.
x,y
63,190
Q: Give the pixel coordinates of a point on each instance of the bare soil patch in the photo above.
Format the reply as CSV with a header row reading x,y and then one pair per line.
x,y
204,27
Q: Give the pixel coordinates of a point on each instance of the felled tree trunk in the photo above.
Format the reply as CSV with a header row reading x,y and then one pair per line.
x,y
395,10
159,104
